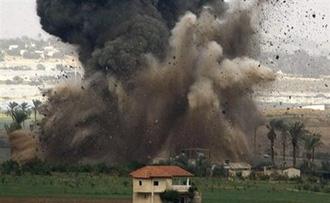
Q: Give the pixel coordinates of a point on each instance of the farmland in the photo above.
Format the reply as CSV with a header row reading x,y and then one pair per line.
x,y
104,188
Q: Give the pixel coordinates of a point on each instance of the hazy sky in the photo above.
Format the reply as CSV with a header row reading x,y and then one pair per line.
x,y
18,18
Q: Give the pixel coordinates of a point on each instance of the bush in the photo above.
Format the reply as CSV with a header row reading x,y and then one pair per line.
x,y
102,168
36,167
170,196
253,175
191,191
306,187
279,177
326,189
312,179
316,188
10,168
219,172
264,177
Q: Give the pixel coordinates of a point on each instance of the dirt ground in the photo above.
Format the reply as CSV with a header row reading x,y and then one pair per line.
x,y
55,200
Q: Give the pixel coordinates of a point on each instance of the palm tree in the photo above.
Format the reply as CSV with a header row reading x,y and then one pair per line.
x,y
25,106
272,137
311,140
36,104
297,131
317,142
282,125
20,116
18,113
11,108
25,109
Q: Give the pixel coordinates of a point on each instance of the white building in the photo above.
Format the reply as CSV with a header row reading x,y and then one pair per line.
x,y
12,47
151,181
238,169
292,173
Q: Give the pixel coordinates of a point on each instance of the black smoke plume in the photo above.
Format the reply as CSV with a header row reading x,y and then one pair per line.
x,y
160,76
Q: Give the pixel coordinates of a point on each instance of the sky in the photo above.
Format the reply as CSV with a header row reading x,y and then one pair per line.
x,y
18,18
309,19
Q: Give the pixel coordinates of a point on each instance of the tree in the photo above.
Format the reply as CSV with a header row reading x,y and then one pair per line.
x,y
36,104
18,113
11,109
311,141
272,137
25,111
25,107
297,131
282,126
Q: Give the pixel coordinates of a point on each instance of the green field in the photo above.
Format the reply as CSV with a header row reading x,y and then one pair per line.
x,y
110,187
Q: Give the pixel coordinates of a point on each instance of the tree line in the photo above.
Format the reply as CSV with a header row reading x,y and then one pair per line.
x,y
297,135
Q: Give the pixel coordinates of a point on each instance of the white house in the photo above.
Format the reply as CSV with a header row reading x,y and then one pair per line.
x,y
292,173
150,182
238,169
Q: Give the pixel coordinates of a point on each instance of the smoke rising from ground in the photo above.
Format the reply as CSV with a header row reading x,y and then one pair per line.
x,y
151,88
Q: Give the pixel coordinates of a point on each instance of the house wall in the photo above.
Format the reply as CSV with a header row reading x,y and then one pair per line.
x,y
147,192
148,185
291,173
146,198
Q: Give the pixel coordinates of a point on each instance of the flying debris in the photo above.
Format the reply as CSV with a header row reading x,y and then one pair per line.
x,y
158,76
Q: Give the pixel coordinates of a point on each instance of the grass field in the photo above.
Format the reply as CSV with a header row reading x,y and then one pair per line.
x,y
83,186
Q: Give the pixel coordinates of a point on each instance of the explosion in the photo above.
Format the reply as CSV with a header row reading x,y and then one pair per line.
x,y
160,76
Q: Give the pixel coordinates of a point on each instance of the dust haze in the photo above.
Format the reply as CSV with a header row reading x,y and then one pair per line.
x,y
160,76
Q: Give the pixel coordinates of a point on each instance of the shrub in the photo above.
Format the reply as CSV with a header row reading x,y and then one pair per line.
x,y
102,168
170,196
219,172
10,168
306,186
278,177
312,179
326,189
297,180
264,177
316,188
191,191
36,167
253,175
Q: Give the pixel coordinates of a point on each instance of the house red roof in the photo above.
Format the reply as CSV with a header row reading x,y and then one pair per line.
x,y
160,172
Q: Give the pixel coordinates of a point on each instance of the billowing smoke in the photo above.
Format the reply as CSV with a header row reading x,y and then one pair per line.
x,y
24,146
160,76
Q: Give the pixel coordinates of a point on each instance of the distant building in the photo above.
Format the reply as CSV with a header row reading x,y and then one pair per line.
x,y
12,47
22,52
291,173
320,107
151,181
237,169
288,172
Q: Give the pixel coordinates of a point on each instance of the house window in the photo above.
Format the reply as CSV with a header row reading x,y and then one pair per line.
x,y
156,183
140,182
